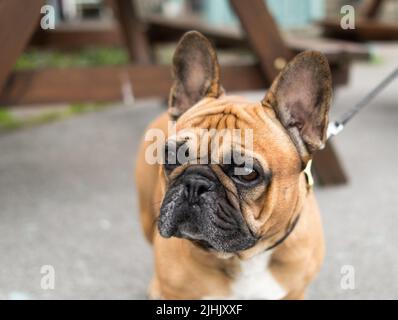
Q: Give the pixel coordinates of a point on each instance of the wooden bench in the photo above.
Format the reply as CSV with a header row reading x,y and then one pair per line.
x,y
145,78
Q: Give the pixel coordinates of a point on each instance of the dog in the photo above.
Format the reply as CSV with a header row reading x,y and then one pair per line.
x,y
218,234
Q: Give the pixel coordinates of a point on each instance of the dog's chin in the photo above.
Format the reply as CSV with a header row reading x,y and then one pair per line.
x,y
208,246
218,246
198,240
204,245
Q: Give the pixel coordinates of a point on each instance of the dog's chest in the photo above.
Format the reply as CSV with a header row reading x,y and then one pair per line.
x,y
255,280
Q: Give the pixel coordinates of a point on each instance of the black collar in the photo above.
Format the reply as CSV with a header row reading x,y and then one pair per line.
x,y
310,183
288,232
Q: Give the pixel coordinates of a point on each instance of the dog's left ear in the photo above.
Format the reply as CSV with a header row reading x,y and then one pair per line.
x,y
196,73
301,96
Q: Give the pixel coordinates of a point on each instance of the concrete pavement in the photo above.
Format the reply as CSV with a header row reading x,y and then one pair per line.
x,y
67,199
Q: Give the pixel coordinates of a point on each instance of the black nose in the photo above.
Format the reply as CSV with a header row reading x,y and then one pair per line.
x,y
195,186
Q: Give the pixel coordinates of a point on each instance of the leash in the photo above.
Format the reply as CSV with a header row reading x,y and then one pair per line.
x,y
337,126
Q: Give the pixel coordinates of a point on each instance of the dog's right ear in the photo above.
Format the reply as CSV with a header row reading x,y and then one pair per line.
x,y
196,73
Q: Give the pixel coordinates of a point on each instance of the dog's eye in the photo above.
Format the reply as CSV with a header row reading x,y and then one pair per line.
x,y
175,156
249,175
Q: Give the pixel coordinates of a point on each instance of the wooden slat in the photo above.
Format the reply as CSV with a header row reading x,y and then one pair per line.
x,y
161,29
132,30
365,30
105,83
76,36
337,51
18,19
327,167
263,35
340,74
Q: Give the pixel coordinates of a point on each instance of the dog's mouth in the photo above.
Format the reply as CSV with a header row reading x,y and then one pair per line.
x,y
196,239
203,244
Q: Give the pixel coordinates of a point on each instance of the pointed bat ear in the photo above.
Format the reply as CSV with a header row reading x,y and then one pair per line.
x,y
301,97
196,73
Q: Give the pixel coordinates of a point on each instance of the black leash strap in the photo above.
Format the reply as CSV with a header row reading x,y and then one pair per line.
x,y
288,232
336,127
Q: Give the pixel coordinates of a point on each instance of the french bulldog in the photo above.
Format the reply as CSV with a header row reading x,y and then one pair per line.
x,y
228,230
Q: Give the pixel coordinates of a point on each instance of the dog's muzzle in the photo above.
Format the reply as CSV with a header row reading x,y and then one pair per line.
x,y
196,207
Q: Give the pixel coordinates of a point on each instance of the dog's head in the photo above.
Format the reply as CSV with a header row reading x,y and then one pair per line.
x,y
233,172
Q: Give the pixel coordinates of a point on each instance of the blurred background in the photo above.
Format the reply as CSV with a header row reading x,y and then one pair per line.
x,y
81,79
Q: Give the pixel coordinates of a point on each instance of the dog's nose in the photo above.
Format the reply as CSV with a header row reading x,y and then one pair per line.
x,y
196,186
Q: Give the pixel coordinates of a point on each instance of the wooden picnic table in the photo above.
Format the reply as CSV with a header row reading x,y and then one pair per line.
x,y
146,78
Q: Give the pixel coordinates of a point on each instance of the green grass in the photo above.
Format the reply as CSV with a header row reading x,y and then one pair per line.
x,y
8,121
376,59
88,57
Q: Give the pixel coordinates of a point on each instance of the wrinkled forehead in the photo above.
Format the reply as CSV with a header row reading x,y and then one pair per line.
x,y
222,113
225,121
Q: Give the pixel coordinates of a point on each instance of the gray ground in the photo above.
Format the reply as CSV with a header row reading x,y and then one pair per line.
x,y
67,199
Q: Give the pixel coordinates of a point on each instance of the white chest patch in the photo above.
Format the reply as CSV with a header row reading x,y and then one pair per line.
x,y
255,281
